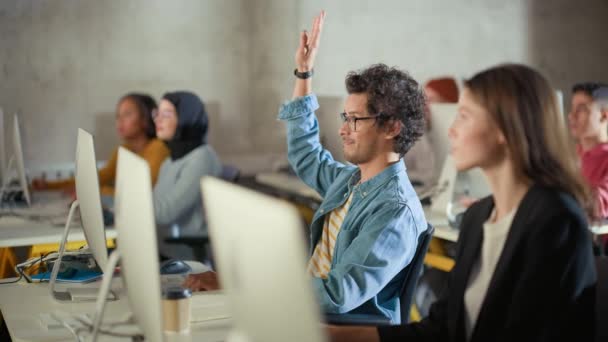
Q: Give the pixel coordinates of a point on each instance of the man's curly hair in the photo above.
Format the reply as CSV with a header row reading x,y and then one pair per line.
x,y
393,95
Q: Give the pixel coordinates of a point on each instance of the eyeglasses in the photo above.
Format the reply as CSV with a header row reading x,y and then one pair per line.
x,y
352,121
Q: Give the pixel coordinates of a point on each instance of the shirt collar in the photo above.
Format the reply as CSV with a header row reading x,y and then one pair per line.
x,y
378,180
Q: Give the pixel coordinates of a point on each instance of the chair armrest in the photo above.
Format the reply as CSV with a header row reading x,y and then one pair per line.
x,y
356,319
188,240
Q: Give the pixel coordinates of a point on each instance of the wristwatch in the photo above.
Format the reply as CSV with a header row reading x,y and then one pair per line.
x,y
303,75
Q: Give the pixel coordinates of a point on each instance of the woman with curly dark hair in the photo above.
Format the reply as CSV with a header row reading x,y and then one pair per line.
x,y
524,267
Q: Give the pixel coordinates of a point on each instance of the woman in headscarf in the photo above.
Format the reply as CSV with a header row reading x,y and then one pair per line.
x,y
182,123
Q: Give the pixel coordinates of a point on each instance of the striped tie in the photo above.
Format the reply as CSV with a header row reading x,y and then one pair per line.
x,y
320,262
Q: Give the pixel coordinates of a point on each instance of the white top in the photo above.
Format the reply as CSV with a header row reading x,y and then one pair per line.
x,y
494,236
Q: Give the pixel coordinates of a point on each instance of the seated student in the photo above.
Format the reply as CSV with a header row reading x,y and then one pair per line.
x,y
366,230
135,127
588,121
182,123
524,267
420,160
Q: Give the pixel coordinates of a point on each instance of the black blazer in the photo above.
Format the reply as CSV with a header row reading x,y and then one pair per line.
x,y
543,286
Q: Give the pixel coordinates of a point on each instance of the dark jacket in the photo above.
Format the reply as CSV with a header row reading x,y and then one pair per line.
x,y
543,287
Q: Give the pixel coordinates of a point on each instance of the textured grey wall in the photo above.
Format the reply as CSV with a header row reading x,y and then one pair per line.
x,y
63,64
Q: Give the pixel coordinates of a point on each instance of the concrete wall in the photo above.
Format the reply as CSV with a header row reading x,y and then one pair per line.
x,y
64,64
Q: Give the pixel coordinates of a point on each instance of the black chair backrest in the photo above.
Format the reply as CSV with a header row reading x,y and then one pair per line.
x,y
414,270
601,299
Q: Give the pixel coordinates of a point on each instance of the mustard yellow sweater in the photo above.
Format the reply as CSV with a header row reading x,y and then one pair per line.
x,y
154,153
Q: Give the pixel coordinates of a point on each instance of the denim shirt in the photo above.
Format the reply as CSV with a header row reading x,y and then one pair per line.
x,y
379,234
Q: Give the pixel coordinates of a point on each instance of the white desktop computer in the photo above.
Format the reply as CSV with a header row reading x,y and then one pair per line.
x,y
260,254
19,161
559,97
15,164
89,202
136,247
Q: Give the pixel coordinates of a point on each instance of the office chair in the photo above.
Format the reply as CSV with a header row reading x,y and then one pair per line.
x,y
412,274
601,299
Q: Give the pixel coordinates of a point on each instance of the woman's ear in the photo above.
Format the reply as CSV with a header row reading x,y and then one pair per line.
x,y
501,138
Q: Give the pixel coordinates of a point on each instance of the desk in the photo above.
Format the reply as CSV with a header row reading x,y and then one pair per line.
x,y
436,257
288,183
23,319
52,209
442,227
18,232
21,232
293,184
599,230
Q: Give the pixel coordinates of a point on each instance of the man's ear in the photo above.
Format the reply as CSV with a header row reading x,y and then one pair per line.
x,y
603,114
392,129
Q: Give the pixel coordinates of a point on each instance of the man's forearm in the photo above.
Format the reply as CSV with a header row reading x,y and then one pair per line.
x,y
302,87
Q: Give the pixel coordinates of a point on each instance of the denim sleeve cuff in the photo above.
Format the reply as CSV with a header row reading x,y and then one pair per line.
x,y
298,107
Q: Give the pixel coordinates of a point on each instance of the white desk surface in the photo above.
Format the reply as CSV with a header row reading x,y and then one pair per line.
x,y
52,211
22,303
16,232
442,228
600,230
445,232
288,183
294,184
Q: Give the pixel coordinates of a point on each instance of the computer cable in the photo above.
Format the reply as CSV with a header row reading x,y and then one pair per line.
x,y
86,327
11,281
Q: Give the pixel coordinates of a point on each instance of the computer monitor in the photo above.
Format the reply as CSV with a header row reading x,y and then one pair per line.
x,y
442,116
559,96
2,149
88,200
89,197
136,245
18,155
259,251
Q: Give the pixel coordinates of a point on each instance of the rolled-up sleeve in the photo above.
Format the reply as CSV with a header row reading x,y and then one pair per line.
x,y
311,162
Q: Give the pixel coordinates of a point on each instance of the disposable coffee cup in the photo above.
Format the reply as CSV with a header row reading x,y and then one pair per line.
x,y
176,309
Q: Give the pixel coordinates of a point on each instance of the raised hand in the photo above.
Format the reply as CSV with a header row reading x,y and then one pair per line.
x,y
309,44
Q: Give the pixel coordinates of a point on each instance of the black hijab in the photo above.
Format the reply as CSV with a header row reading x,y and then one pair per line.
x,y
192,123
